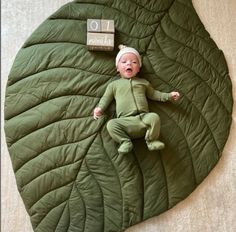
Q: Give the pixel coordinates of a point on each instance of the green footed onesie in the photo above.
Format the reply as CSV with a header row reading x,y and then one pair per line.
x,y
133,117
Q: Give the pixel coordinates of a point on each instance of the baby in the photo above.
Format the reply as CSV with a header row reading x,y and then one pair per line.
x,y
130,93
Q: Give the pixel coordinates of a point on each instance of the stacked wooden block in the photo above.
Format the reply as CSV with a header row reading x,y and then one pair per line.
x,y
100,34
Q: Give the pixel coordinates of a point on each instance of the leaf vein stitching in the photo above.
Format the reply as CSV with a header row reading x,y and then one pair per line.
x,y
191,32
60,216
188,147
50,99
49,212
82,199
118,177
49,124
116,10
51,42
197,75
187,97
74,185
166,182
149,10
52,190
46,172
194,50
102,194
47,149
59,67
142,183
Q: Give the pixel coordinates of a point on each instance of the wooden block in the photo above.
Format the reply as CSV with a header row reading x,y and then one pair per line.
x,y
100,41
93,25
100,34
107,26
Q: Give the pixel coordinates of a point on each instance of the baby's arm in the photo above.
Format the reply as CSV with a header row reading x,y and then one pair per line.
x,y
161,96
156,95
104,102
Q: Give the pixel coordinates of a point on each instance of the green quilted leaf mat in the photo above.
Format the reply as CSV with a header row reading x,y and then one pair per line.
x,y
67,167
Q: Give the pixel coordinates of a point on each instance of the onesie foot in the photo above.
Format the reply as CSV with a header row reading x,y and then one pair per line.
x,y
125,147
155,145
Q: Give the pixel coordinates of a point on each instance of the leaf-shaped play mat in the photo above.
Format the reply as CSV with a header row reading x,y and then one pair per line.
x,y
67,168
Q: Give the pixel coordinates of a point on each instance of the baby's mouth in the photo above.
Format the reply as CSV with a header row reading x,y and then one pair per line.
x,y
128,70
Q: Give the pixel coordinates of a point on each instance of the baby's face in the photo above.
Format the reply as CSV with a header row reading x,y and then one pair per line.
x,y
128,65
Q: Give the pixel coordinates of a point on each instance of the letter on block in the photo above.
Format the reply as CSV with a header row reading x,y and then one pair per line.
x,y
107,26
94,25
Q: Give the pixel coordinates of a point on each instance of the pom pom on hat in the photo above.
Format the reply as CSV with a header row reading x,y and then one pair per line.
x,y
124,49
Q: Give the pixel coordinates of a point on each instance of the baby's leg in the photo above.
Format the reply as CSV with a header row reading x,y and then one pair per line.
x,y
122,130
116,129
152,120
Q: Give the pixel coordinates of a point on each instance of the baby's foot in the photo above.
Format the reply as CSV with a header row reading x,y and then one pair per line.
x,y
125,147
155,145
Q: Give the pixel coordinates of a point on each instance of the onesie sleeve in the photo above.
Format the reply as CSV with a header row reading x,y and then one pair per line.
x,y
107,97
157,95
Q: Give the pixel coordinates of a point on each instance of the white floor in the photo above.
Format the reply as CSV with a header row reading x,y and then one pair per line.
x,y
212,206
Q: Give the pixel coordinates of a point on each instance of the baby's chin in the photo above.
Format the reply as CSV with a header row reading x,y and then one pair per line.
x,y
128,75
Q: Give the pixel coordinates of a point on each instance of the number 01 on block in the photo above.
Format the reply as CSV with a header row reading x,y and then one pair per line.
x,y
100,34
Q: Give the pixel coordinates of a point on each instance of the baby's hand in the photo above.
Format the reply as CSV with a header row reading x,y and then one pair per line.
x,y
97,113
175,96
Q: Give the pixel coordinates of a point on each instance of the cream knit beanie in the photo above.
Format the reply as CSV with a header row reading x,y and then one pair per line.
x,y
124,49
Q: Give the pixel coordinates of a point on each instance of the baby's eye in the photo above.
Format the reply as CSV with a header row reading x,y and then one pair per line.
x,y
134,62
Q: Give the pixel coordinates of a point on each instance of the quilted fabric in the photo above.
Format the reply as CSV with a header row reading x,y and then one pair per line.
x,y
67,168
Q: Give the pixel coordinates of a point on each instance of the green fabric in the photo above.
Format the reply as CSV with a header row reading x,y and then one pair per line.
x,y
130,96
67,167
